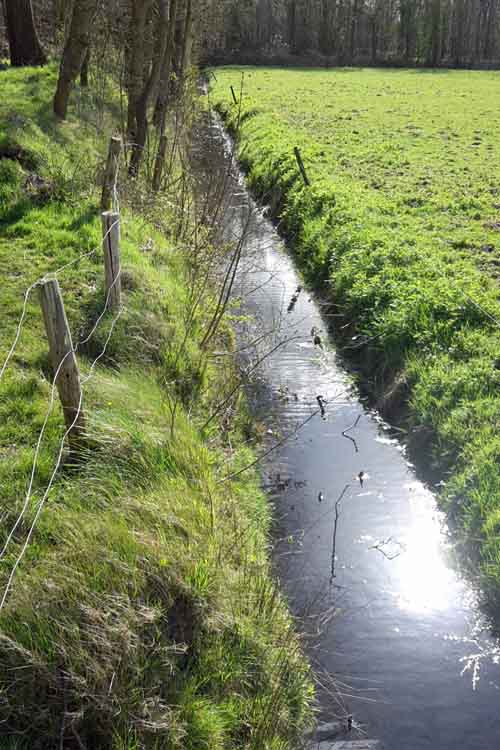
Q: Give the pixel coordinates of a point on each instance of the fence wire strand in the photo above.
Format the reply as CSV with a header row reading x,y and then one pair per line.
x,y
39,282
18,328
57,464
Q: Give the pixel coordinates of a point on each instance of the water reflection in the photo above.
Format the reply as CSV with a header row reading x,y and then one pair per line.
x,y
427,583
405,623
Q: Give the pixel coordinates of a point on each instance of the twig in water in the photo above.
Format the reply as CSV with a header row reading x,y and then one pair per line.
x,y
348,429
380,548
335,525
316,337
321,402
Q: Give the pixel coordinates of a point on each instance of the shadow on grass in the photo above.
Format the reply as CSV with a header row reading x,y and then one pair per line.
x,y
86,217
15,212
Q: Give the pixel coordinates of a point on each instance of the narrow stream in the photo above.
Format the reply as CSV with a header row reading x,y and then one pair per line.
x,y
401,643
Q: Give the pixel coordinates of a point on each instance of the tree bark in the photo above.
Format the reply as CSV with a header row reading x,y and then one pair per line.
x,y
187,43
141,113
74,53
325,35
84,73
136,62
163,93
489,40
24,44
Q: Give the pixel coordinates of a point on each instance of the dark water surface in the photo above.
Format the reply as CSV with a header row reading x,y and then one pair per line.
x,y
399,631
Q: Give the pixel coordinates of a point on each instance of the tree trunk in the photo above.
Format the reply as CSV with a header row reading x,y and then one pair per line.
x,y
84,73
141,114
25,47
162,99
59,12
458,32
325,32
489,40
136,62
433,57
373,37
74,53
353,30
187,42
292,16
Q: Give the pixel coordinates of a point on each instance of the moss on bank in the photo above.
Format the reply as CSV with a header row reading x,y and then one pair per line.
x,y
400,226
143,614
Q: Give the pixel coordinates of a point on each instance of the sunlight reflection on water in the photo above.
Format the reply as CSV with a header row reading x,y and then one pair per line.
x,y
425,578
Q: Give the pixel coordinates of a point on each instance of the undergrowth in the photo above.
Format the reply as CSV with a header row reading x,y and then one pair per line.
x,y
143,614
401,226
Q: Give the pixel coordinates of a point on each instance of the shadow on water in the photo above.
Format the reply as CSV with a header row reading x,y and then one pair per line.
x,y
400,643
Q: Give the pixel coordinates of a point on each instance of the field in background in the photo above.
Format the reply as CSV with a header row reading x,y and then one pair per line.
x,y
402,223
413,153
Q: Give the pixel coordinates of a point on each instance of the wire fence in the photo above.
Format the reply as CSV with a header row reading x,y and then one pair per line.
x,y
110,242
51,274
60,454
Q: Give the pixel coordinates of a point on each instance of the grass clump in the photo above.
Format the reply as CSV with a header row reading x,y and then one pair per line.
x,y
401,224
143,614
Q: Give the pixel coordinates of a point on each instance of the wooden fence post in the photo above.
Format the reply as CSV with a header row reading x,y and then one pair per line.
x,y
63,360
301,166
111,252
111,173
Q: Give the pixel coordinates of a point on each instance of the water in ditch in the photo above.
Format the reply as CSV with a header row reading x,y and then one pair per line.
x,y
396,636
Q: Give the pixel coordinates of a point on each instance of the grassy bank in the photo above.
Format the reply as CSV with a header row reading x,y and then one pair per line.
x,y
143,613
401,225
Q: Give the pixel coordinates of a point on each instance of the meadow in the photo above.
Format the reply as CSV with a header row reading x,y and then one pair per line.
x,y
143,613
400,225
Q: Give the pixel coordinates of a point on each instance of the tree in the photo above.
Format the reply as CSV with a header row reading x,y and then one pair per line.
x,y
166,71
299,29
150,85
75,52
136,62
434,52
24,44
408,30
326,35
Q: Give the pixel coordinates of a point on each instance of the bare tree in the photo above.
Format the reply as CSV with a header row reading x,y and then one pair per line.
x,y
74,54
142,103
164,86
136,62
24,44
418,32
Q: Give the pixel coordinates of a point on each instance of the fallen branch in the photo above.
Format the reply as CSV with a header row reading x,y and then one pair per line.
x,y
348,429
335,525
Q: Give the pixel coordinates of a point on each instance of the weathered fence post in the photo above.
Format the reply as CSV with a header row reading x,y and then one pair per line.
x,y
159,162
63,360
111,173
111,252
301,166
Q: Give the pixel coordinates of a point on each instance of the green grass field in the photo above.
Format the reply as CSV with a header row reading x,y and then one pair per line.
x,y
402,224
144,613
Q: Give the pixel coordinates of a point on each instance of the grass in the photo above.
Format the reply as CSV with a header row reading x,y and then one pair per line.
x,y
401,225
144,613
